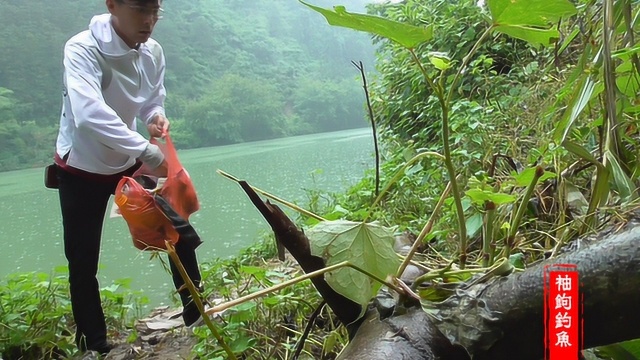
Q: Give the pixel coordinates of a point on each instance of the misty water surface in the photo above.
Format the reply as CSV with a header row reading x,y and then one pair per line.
x,y
227,222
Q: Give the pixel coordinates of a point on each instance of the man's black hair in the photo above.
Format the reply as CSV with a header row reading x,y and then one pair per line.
x,y
140,2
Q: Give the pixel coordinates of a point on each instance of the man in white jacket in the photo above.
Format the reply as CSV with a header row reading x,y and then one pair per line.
x,y
113,74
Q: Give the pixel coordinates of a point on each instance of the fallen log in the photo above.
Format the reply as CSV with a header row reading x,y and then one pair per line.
x,y
609,276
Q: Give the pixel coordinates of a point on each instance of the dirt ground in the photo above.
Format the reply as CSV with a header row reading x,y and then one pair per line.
x,y
162,336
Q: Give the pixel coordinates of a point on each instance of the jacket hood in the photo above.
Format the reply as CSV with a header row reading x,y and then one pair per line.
x,y
106,37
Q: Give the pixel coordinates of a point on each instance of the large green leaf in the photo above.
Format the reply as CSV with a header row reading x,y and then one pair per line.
x,y
583,94
365,245
404,34
537,13
543,37
529,20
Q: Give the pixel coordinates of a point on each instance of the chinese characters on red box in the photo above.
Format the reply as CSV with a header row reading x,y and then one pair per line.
x,y
562,312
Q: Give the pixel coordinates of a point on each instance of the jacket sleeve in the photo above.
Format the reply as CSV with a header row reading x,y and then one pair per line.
x,y
155,104
91,113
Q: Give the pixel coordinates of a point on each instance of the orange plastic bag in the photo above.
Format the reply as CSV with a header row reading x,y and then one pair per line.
x,y
149,227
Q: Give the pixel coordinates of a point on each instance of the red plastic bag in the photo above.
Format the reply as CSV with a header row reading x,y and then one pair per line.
x,y
148,226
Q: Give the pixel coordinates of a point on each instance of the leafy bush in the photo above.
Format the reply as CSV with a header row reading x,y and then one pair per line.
x,y
35,314
403,103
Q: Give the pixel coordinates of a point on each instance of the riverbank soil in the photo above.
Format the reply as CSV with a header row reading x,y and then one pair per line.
x,y
162,336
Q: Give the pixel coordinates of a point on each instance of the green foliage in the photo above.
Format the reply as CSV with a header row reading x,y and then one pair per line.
x,y
399,206
35,314
496,104
605,84
315,103
403,103
597,112
367,246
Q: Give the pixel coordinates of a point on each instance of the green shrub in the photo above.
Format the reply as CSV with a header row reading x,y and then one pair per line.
x,y
36,321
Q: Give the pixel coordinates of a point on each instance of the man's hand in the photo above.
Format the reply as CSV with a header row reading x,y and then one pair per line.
x,y
158,126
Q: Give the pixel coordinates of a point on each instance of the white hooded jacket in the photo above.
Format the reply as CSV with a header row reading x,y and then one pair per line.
x,y
97,125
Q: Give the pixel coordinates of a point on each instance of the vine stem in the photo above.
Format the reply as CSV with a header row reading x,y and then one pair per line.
x,y
448,161
425,231
522,208
445,104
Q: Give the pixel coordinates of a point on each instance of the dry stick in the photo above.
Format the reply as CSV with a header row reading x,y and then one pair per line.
x,y
360,67
273,197
282,285
425,230
195,296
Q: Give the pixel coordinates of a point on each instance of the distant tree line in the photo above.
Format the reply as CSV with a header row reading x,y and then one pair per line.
x,y
237,71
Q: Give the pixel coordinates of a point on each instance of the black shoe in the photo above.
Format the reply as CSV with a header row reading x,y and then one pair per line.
x,y
102,349
190,314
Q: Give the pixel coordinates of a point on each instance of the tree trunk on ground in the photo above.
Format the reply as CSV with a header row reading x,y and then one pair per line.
x,y
509,311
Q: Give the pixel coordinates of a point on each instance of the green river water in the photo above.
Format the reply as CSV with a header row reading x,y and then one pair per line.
x,y
31,235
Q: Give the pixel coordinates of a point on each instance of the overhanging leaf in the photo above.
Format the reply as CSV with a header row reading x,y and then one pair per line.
x,y
529,20
529,12
404,34
544,37
365,245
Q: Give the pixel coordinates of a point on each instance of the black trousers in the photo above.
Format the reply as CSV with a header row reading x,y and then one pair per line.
x,y
84,204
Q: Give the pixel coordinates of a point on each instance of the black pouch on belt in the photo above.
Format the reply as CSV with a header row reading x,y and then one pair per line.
x,y
51,176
